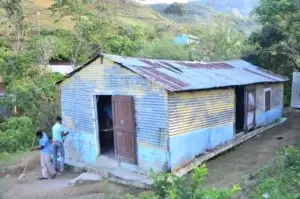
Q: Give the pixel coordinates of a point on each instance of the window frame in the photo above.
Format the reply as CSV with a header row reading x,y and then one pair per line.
x,y
267,90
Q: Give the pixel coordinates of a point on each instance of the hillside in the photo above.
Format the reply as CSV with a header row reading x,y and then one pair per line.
x,y
131,13
243,7
195,12
203,11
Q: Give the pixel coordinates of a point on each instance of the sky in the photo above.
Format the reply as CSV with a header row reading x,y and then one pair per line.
x,y
161,1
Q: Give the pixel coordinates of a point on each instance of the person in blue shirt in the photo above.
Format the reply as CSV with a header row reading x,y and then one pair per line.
x,y
44,148
58,143
108,116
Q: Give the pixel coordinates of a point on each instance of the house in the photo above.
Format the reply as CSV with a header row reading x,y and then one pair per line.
x,y
62,67
158,114
184,39
3,110
295,99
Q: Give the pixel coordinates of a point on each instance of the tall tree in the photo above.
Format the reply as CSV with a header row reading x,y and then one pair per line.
x,y
14,13
285,17
175,9
220,41
94,24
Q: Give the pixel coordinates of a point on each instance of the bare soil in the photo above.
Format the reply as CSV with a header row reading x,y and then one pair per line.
x,y
247,159
234,167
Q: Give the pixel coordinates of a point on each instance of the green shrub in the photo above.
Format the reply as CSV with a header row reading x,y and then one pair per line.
x,y
281,179
169,186
16,134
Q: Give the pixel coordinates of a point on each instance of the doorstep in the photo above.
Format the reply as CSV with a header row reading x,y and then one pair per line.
x,y
110,169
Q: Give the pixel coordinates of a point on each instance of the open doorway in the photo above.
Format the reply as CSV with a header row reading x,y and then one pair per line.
x,y
240,108
105,125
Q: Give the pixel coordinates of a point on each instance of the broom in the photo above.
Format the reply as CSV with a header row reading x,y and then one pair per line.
x,y
23,175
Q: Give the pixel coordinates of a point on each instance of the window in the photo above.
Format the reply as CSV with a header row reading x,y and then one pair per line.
x,y
267,99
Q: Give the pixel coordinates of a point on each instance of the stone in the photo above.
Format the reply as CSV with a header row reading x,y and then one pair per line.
x,y
7,176
85,177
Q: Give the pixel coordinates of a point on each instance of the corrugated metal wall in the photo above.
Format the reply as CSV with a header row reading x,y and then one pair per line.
x,y
276,96
265,117
150,103
190,111
199,121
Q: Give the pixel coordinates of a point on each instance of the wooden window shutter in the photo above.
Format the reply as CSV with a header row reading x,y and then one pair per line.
x,y
267,100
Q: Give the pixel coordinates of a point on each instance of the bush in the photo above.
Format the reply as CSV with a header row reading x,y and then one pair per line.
x,y
169,186
281,179
164,49
16,134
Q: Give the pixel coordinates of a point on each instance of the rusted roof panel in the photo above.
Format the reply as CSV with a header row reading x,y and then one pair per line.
x,y
183,75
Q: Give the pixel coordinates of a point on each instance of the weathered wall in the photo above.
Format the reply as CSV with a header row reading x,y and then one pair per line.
x,y
264,118
150,103
199,121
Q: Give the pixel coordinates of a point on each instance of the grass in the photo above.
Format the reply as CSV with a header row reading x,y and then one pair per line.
x,y
7,159
130,13
281,179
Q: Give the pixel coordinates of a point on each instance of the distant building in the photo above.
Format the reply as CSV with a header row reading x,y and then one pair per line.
x,y
3,111
62,67
2,88
184,39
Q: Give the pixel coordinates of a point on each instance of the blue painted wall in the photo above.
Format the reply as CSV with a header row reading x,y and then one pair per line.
x,y
150,102
185,147
263,117
268,117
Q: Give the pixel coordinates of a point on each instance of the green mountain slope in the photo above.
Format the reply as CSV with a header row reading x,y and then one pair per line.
x,y
128,12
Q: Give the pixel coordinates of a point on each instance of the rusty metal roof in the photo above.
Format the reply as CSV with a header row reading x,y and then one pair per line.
x,y
184,75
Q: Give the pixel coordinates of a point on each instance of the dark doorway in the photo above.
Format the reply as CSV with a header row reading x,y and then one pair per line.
x,y
105,125
240,108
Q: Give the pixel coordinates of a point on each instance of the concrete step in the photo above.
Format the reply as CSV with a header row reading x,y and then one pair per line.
x,y
127,177
122,176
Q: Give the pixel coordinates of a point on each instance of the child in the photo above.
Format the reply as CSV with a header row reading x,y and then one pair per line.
x,y
44,149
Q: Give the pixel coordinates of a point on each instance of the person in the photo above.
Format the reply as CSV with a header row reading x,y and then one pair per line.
x,y
44,148
58,145
108,115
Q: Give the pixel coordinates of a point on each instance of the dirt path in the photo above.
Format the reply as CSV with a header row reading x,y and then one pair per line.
x,y
58,188
250,157
224,171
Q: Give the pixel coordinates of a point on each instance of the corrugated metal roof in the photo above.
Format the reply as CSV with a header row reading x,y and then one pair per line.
x,y
184,75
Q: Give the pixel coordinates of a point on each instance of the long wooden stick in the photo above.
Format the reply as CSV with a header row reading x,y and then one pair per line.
x,y
28,157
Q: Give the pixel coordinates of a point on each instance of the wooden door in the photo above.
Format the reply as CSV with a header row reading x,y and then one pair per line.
x,y
124,128
250,108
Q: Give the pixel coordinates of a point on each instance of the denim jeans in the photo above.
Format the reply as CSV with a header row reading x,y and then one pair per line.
x,y
58,147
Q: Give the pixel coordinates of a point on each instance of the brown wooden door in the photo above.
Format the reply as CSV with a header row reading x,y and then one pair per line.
x,y
124,128
250,108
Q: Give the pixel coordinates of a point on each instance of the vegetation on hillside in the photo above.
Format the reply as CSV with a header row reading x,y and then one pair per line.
x,y
278,42
95,26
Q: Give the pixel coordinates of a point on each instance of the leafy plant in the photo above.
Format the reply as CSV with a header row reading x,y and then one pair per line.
x,y
281,179
16,134
169,186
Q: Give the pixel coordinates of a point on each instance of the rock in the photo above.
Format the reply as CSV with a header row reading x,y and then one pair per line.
x,y
85,177
7,176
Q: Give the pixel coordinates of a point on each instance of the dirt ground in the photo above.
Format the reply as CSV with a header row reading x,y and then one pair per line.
x,y
231,168
249,158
